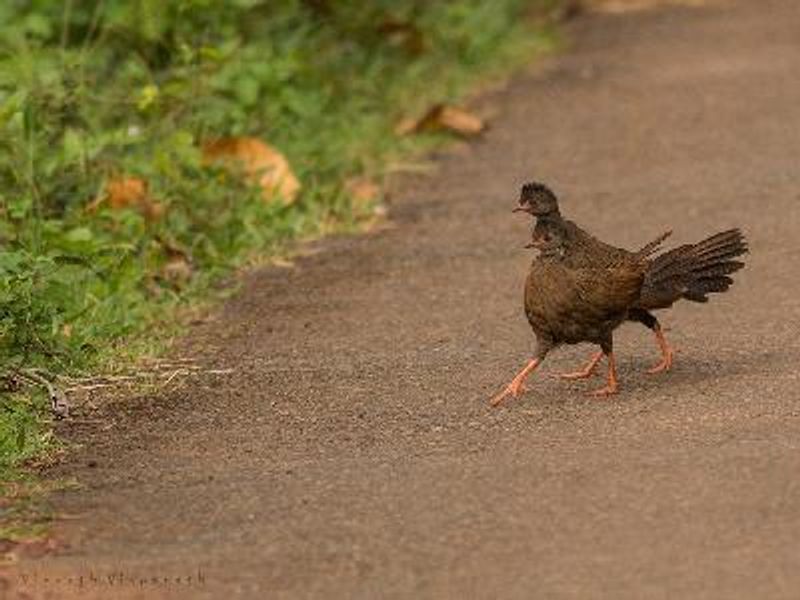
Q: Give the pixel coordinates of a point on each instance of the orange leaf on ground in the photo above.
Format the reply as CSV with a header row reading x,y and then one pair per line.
x,y
260,163
362,190
443,117
128,192
623,6
403,34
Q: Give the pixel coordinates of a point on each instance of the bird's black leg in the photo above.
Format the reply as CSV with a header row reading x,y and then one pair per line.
x,y
611,387
649,320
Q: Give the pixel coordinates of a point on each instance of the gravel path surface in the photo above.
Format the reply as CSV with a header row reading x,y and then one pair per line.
x,y
354,454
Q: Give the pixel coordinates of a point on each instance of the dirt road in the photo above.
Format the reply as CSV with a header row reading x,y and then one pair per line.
x,y
353,454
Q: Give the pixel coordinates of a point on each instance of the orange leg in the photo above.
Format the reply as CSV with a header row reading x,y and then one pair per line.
x,y
517,385
587,371
666,353
613,384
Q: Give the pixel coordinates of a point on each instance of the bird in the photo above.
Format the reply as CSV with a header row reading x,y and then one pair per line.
x,y
580,289
691,271
570,304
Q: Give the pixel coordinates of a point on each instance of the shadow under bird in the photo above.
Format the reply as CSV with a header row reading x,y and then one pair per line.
x,y
580,289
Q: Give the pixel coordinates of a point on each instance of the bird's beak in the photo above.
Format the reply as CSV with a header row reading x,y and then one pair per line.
x,y
530,245
520,209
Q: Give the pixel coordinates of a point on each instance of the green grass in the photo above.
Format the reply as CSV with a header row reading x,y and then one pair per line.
x,y
89,91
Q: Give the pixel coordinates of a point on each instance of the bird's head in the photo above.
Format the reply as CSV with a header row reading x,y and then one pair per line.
x,y
548,237
538,200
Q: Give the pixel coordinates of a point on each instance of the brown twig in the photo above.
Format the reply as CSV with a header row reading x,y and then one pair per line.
x,y
58,399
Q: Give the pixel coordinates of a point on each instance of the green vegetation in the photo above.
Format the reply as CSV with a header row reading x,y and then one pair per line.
x,y
91,91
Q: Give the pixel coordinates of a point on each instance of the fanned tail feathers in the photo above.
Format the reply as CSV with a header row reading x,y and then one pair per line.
x,y
692,271
651,247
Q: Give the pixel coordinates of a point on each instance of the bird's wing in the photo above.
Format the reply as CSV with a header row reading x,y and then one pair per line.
x,y
588,297
608,291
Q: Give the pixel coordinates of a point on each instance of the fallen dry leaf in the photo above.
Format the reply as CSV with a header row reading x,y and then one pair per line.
x,y
364,195
177,271
32,548
128,192
458,120
406,126
261,164
403,34
362,190
443,117
548,13
172,249
622,6
153,211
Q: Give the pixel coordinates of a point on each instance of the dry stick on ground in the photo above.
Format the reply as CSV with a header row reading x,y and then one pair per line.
x,y
159,372
58,399
59,404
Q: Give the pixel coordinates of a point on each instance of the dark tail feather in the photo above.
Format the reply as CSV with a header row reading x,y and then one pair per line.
x,y
651,247
693,271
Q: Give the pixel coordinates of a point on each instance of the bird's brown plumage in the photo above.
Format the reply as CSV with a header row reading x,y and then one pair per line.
x,y
569,304
691,271
580,289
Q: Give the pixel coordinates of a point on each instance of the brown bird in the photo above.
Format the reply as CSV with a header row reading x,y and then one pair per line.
x,y
580,289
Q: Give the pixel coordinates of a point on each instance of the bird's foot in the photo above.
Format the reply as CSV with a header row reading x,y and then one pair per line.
x,y
583,374
612,384
609,390
664,365
666,353
586,372
513,389
517,385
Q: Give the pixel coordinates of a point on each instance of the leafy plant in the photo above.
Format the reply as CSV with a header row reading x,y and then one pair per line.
x,y
92,91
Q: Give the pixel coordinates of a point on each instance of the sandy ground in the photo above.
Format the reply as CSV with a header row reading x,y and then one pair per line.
x,y
353,454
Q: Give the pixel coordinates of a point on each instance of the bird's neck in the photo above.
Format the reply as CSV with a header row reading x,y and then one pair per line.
x,y
553,219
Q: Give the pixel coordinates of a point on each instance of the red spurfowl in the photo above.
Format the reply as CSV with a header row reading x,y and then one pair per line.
x,y
580,289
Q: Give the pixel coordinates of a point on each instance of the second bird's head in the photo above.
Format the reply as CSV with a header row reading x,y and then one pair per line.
x,y
549,237
538,200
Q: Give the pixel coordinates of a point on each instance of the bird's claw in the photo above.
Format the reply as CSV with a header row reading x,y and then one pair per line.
x,y
513,389
664,365
576,375
609,390
586,372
